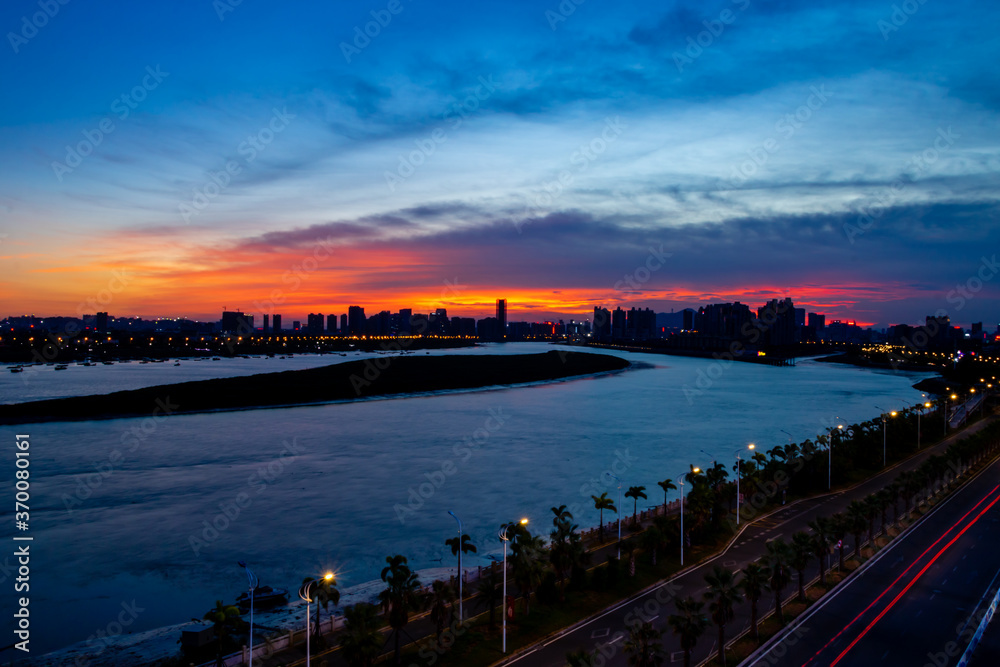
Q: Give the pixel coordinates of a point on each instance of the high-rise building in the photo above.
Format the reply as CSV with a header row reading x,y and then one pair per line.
x,y
501,318
343,323
618,324
602,323
296,326
314,323
237,322
101,322
277,324
266,322
355,320
405,321
817,321
331,323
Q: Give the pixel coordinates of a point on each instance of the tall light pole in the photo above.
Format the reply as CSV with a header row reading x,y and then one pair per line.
x,y
619,515
461,617
954,397
680,481
739,470
305,592
505,537
829,462
252,581
885,421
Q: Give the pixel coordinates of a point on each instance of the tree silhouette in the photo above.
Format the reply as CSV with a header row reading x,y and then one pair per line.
x,y
635,492
602,503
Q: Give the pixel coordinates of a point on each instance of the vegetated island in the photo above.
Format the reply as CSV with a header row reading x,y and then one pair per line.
x,y
366,378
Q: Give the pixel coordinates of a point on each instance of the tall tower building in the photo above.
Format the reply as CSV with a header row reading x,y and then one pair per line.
x,y
277,324
267,321
501,318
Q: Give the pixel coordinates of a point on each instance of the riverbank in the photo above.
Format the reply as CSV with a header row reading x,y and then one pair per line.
x,y
354,380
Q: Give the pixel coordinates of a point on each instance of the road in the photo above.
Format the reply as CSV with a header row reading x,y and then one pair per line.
x,y
606,632
914,603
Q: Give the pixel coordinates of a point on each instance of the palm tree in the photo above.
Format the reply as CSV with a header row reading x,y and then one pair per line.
x,y
224,619
560,514
401,595
527,564
821,544
566,550
856,521
723,595
689,624
643,646
489,593
839,530
324,591
753,585
667,485
603,503
801,554
463,544
777,561
442,603
635,492
361,641
652,540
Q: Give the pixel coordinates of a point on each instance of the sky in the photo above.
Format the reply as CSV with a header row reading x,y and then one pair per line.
x,y
175,158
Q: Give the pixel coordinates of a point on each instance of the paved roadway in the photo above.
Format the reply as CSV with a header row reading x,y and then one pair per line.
x,y
914,604
607,631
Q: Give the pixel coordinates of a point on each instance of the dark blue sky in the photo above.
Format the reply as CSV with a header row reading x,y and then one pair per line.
x,y
842,152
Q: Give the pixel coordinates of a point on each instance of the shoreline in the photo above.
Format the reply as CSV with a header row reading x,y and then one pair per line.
x,y
369,379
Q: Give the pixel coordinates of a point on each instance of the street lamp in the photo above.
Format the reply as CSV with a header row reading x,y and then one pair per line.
x,y
739,469
680,480
305,592
954,397
829,463
619,515
253,582
460,577
506,537
884,430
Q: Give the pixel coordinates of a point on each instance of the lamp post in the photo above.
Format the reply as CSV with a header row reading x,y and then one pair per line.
x,y
252,581
461,617
619,515
885,421
829,463
680,481
739,470
954,397
305,592
506,537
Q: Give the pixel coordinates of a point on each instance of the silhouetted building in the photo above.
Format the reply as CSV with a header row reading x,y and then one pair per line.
x,y
355,320
267,322
343,323
277,324
331,323
488,329
602,324
406,321
296,326
817,321
640,324
314,323
618,324
776,319
101,322
236,322
501,318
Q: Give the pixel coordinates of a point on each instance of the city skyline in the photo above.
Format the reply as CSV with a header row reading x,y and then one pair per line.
x,y
655,156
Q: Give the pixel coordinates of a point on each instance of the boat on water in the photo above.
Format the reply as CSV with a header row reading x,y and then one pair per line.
x,y
16,369
108,363
264,597
177,363
61,367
